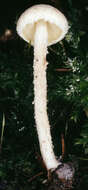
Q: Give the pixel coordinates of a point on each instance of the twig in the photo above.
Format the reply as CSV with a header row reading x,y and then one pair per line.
x,y
34,177
63,145
63,69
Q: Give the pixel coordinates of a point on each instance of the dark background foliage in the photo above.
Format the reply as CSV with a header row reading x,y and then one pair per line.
x,y
67,77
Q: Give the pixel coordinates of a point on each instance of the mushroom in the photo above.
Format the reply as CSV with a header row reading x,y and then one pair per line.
x,y
42,25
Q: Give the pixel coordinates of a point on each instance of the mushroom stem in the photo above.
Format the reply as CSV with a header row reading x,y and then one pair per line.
x,y
40,95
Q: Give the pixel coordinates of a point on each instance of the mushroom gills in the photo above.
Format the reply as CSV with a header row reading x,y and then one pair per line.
x,y
53,30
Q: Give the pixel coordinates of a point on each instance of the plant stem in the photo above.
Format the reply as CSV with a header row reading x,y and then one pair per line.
x,y
2,132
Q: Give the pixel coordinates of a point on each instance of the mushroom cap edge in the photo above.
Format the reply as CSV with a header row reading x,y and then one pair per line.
x,y
57,24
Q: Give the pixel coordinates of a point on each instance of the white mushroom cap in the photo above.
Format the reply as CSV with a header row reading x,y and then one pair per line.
x,y
57,25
